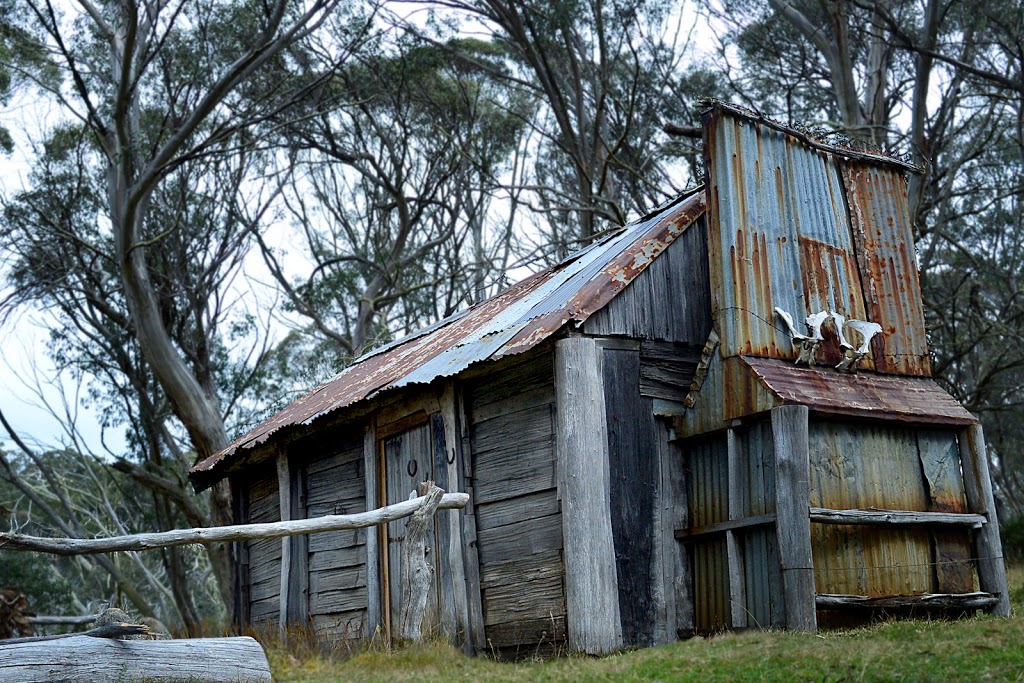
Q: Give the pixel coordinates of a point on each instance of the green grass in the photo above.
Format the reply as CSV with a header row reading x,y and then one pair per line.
x,y
977,649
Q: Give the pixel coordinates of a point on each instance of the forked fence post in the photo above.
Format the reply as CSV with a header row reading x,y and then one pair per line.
x,y
416,570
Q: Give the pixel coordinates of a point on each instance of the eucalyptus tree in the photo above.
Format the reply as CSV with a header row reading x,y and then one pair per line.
x,y
599,71
394,168
158,88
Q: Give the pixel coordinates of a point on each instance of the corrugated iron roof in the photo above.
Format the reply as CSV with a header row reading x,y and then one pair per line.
x,y
511,322
898,398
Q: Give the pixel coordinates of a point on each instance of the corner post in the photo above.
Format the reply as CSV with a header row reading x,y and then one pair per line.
x,y
584,483
374,615
793,522
284,490
988,547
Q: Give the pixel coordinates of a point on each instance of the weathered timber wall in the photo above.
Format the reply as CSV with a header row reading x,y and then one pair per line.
x,y
633,470
518,516
334,483
670,300
859,466
262,574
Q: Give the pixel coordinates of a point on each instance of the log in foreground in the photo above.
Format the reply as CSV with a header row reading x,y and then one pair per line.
x,y
81,658
217,534
895,517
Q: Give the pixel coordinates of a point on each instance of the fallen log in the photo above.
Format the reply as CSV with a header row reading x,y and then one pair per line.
x,y
100,660
217,534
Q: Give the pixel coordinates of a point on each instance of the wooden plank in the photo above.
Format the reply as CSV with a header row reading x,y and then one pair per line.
x,y
106,660
474,605
591,585
734,552
511,511
341,625
524,601
945,601
988,547
334,540
632,466
534,371
354,556
895,517
519,540
523,570
702,533
446,586
548,629
338,600
374,608
337,578
519,401
672,587
793,523
284,487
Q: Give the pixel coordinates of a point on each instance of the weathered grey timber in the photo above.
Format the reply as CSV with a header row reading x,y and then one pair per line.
x,y
895,517
100,660
214,534
417,572
284,487
374,607
456,552
793,523
966,601
633,475
988,547
515,563
336,585
676,575
591,585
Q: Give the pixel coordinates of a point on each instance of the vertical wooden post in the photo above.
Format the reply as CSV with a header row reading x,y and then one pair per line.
x,y
298,597
453,518
239,552
591,584
792,521
284,490
737,585
474,597
988,547
673,564
374,623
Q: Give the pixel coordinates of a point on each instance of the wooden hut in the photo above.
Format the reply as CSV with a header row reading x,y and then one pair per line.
x,y
645,459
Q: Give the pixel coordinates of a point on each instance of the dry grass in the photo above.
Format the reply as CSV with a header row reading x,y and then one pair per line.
x,y
979,648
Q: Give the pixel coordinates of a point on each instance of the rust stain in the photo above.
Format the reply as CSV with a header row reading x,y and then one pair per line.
x,y
915,400
886,262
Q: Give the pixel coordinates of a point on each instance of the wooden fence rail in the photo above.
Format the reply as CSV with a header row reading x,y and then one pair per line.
x,y
219,534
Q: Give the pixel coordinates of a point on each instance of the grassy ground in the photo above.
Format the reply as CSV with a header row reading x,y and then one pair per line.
x,y
978,649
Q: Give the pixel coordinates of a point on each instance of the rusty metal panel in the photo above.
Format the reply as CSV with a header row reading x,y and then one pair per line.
x,y
939,452
778,222
916,400
708,501
881,225
863,466
511,322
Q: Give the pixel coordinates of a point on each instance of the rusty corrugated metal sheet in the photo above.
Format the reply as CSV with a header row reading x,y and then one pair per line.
x,y
916,400
781,234
863,466
880,220
514,321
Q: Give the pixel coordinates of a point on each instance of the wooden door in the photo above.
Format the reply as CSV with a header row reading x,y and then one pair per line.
x,y
407,459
